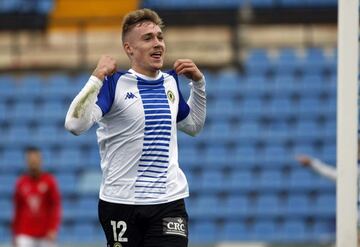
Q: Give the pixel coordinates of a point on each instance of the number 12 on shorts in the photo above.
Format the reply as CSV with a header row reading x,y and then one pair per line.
x,y
119,225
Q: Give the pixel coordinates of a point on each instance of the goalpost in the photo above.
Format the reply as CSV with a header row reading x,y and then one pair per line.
x,y
347,123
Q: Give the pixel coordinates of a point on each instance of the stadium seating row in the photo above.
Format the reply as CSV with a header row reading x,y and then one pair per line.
x,y
26,6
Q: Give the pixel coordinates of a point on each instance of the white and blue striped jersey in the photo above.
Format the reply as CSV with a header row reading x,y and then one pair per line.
x,y
137,136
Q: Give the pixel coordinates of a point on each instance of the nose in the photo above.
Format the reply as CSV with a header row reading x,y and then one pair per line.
x,y
158,43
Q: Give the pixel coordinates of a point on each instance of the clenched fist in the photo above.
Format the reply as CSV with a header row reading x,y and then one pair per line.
x,y
106,66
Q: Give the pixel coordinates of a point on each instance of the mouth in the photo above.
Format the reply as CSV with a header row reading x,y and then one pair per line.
x,y
156,55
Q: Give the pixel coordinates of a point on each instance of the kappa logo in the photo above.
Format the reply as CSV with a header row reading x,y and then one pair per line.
x,y
130,95
175,226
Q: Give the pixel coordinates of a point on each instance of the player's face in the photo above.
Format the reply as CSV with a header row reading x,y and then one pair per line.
x,y
146,48
34,161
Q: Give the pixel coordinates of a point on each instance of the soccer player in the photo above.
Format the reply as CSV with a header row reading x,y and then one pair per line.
x,y
139,111
37,205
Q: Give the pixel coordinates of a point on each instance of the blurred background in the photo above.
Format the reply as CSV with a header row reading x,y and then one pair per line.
x,y
270,67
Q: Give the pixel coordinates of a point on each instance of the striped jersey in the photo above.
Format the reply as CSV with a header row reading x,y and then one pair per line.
x,y
137,138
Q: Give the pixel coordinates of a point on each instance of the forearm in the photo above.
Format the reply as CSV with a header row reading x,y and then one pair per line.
x,y
323,169
194,122
83,111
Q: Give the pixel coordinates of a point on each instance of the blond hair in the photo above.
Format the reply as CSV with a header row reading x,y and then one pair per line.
x,y
139,16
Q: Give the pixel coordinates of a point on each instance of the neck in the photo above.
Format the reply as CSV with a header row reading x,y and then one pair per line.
x,y
149,73
34,174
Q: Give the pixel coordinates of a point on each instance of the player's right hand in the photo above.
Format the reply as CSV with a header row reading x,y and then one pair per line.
x,y
303,160
106,66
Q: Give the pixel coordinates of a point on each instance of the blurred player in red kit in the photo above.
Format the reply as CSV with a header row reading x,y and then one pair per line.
x,y
37,205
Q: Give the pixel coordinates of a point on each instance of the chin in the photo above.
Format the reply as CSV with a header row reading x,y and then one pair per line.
x,y
157,66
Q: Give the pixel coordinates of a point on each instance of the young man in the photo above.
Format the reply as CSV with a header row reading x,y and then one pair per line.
x,y
37,205
139,111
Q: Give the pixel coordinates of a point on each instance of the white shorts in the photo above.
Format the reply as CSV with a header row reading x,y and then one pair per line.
x,y
28,241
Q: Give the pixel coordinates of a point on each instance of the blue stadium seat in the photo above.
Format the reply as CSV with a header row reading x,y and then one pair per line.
x,y
265,230
6,205
206,205
271,180
268,205
5,233
235,231
255,86
293,231
302,178
70,157
46,134
59,87
12,161
236,206
54,111
219,130
329,153
7,185
213,181
286,62
30,87
325,205
19,135
83,209
23,111
8,81
241,180
204,231
217,156
89,182
222,109
281,105
67,183
276,156
298,205
257,61
245,156
306,129
323,230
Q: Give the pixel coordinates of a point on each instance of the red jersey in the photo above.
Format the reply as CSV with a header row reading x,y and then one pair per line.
x,y
37,205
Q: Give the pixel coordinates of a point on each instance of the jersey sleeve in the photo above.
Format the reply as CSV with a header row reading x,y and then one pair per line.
x,y
191,114
106,95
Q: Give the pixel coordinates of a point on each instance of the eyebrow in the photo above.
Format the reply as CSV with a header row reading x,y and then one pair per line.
x,y
150,34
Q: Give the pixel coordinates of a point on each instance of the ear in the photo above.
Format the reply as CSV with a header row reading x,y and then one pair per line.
x,y
128,49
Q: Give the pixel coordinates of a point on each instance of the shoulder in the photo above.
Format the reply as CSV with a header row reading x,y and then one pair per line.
x,y
48,177
171,73
21,179
116,76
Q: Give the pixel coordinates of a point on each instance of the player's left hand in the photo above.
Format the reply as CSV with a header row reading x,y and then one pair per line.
x,y
188,68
